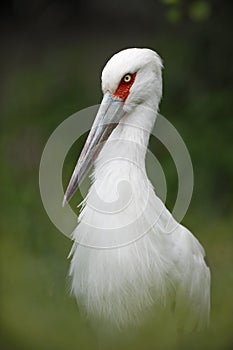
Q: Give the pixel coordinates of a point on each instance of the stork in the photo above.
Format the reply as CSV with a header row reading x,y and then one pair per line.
x,y
129,253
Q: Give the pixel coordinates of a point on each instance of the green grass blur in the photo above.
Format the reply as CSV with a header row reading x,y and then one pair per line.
x,y
45,83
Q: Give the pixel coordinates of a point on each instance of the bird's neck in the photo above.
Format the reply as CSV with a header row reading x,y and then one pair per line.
x,y
128,142
119,176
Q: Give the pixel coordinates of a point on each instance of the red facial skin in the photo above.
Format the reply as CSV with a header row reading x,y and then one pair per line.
x,y
123,90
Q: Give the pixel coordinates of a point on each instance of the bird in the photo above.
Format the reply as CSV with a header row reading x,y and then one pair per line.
x,y
129,254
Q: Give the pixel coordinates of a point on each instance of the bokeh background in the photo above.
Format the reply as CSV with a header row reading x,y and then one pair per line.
x,y
52,54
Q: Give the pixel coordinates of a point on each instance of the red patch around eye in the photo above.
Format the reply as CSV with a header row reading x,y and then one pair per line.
x,y
123,89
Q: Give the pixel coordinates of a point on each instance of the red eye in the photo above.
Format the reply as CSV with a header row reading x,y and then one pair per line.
x,y
123,89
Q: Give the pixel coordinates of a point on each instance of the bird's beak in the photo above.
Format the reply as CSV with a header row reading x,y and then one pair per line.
x,y
109,114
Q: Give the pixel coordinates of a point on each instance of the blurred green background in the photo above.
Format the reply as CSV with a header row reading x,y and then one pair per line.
x,y
52,54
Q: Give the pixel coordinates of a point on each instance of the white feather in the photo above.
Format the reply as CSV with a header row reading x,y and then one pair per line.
x,y
124,258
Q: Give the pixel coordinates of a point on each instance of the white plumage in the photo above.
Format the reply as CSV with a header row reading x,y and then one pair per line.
x,y
129,253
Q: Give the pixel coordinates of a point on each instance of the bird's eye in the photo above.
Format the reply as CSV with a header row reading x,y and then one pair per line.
x,y
127,78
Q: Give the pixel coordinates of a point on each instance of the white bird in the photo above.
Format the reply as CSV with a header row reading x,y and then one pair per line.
x,y
129,254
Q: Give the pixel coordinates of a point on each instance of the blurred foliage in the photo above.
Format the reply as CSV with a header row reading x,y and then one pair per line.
x,y
52,55
198,10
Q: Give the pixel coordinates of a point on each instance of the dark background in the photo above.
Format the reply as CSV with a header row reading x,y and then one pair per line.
x,y
52,54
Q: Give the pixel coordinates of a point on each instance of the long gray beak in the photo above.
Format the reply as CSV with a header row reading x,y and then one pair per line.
x,y
107,118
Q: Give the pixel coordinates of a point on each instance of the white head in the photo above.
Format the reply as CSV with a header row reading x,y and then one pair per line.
x,y
131,79
147,86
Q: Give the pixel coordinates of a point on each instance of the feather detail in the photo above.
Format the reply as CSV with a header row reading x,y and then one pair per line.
x,y
124,259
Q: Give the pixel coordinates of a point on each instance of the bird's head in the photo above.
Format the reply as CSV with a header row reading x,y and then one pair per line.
x,y
131,78
134,77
